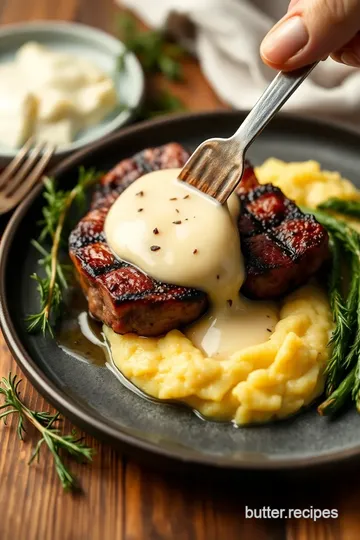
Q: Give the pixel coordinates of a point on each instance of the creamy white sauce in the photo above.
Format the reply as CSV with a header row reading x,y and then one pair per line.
x,y
51,95
178,235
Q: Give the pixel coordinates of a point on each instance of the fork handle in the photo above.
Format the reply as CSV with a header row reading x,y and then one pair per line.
x,y
274,97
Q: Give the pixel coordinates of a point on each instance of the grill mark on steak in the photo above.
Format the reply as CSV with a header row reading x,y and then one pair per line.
x,y
282,248
268,207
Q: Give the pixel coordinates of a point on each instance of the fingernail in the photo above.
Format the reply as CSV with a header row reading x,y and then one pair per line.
x,y
350,59
285,41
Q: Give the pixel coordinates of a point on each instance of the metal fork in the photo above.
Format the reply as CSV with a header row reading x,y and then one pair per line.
x,y
22,173
216,166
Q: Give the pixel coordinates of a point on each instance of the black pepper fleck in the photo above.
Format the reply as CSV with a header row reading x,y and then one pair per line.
x,y
177,222
173,199
195,251
155,248
176,210
140,209
156,230
230,302
268,329
218,277
140,194
187,197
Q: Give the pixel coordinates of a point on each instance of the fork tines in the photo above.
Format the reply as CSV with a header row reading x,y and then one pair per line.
x,y
215,168
23,172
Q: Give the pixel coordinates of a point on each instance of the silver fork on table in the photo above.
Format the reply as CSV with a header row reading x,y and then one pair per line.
x,y
216,166
22,173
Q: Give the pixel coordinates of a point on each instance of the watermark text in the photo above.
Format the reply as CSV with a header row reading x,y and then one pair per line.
x,y
266,512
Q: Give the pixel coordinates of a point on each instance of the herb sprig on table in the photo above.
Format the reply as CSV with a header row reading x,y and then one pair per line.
x,y
46,424
55,212
157,54
343,369
163,103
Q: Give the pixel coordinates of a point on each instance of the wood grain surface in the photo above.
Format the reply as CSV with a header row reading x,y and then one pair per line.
x,y
121,498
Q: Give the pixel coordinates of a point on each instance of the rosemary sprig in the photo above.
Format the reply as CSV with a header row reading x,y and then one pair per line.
x,y
52,285
341,332
347,241
345,360
339,397
349,208
45,423
353,356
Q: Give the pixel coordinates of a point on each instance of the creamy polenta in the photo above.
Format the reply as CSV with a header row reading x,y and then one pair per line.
x,y
307,184
259,383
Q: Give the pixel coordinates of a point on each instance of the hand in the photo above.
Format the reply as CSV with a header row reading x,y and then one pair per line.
x,y
312,30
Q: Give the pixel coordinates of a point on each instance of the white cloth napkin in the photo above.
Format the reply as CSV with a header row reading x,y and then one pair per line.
x,y
228,37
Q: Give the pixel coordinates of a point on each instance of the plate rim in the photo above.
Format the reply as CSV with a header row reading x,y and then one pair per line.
x,y
91,421
96,35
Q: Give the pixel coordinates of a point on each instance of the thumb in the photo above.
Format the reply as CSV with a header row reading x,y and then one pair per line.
x,y
310,31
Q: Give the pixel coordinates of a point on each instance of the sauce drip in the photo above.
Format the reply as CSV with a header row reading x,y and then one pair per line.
x,y
178,235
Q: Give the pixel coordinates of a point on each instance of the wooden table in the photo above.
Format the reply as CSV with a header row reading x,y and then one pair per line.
x,y
122,499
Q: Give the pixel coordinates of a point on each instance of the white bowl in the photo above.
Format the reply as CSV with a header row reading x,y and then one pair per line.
x,y
96,45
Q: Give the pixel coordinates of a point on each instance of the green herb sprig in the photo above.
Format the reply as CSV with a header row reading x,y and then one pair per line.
x,y
339,397
340,336
348,208
165,102
343,369
45,423
152,48
156,54
53,284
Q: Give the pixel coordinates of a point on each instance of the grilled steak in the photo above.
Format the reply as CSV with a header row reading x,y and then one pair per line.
x,y
119,294
282,248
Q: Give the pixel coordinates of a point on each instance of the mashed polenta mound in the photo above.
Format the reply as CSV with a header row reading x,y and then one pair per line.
x,y
257,384
305,182
260,383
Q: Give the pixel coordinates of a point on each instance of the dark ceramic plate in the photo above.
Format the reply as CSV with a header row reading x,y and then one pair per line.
x,y
92,397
